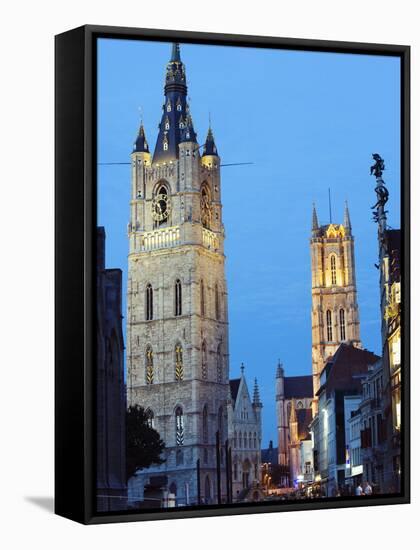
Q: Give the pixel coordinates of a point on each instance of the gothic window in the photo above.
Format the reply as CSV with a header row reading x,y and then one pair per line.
x,y
216,301
149,302
205,425
202,299
149,366
240,440
299,405
342,325
150,418
179,107
245,441
179,427
235,471
235,440
204,361
333,270
219,366
289,408
165,145
250,440
255,440
168,106
178,298
329,325
179,363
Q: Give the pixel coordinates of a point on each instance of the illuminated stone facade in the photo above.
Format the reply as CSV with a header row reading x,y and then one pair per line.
x,y
177,318
335,312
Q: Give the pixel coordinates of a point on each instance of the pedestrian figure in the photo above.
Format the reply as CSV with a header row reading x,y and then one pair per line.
x,y
359,491
368,489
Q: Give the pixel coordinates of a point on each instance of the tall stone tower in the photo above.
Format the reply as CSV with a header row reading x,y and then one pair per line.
x,y
177,318
335,313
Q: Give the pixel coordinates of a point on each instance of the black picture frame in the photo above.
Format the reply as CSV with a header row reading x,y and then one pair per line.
x,y
75,222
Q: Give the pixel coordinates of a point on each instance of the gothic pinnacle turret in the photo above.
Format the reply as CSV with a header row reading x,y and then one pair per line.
x,y
141,145
256,401
347,222
210,146
315,225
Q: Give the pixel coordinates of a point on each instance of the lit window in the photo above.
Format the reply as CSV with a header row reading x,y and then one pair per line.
x,y
165,146
179,426
342,325
149,366
178,298
329,326
179,364
333,270
149,302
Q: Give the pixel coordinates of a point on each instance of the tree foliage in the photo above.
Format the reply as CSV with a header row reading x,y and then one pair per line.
x,y
144,445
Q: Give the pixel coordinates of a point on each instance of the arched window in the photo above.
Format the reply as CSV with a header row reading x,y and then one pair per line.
x,y
240,440
255,440
235,440
204,370
333,270
235,470
289,408
250,440
329,325
219,365
179,363
205,425
149,365
165,145
178,298
179,426
149,302
179,107
299,405
150,418
245,440
202,299
216,301
342,325
205,207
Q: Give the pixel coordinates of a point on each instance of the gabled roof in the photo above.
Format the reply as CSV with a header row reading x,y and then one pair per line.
x,y
298,386
346,368
234,388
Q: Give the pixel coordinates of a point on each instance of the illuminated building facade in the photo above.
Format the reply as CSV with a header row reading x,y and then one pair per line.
x,y
335,312
177,318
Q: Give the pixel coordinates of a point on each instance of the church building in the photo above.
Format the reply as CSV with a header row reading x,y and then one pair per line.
x,y
177,317
245,434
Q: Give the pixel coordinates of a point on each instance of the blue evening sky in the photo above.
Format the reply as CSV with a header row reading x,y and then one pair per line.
x,y
308,121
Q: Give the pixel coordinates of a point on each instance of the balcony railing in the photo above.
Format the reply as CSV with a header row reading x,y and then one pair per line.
x,y
210,239
160,238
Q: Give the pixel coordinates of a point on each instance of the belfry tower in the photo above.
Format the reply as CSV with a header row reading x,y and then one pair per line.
x,y
177,318
335,313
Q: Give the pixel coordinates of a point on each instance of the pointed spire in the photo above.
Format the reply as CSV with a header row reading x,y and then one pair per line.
x,y
315,225
280,370
188,133
210,146
256,398
176,54
141,145
242,369
347,222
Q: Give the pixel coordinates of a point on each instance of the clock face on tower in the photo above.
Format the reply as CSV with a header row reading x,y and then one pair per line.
x,y
160,207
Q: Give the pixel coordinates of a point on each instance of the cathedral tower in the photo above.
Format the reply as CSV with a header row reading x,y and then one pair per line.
x,y
335,313
177,318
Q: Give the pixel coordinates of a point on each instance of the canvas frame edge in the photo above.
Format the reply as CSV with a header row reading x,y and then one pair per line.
x,y
75,180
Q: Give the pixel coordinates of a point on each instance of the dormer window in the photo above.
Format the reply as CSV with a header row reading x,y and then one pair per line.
x,y
181,125
165,146
179,107
168,107
166,125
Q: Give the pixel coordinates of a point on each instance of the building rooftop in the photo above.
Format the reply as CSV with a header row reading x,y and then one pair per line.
x,y
298,387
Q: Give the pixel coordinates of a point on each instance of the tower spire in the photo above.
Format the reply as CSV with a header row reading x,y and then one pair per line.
x,y
280,370
210,146
141,145
347,222
315,225
176,54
